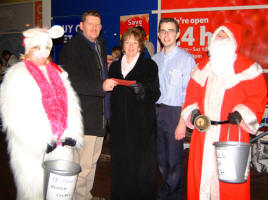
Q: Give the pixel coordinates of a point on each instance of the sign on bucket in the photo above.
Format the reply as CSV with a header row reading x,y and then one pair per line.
x,y
61,187
232,161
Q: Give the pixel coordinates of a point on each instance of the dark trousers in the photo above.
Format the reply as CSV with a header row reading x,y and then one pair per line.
x,y
170,152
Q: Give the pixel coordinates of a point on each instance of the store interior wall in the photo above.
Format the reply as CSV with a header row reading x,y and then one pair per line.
x,y
14,19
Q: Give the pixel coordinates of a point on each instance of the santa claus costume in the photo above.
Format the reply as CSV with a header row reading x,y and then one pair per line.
x,y
224,83
38,107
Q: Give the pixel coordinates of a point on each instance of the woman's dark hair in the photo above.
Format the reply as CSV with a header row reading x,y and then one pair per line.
x,y
117,51
6,52
141,29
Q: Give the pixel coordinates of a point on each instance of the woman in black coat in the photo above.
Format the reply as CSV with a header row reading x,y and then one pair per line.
x,y
133,122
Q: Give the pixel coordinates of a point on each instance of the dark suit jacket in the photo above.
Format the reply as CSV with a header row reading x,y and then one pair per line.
x,y
85,73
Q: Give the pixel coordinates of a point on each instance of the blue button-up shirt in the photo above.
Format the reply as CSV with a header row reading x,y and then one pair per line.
x,y
174,70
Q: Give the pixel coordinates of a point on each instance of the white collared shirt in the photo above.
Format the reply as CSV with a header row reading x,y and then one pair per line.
x,y
127,67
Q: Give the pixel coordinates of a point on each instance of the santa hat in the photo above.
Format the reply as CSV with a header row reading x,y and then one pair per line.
x,y
41,37
234,31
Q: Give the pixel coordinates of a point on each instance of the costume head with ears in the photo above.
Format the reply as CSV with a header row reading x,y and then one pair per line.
x,y
42,38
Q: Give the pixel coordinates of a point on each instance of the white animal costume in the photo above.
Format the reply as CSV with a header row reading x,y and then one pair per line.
x,y
38,106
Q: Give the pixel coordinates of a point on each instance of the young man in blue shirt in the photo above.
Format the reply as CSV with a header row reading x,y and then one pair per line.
x,y
174,68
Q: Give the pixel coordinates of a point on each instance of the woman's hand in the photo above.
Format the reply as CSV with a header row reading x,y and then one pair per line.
x,y
109,84
180,130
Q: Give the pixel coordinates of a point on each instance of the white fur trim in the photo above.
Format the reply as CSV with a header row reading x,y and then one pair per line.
x,y
212,107
231,80
186,113
226,30
252,72
249,118
209,168
201,76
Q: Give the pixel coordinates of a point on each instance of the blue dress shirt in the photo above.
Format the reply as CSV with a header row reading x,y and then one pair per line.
x,y
174,70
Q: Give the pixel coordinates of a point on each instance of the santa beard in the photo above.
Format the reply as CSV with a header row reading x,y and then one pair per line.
x,y
222,56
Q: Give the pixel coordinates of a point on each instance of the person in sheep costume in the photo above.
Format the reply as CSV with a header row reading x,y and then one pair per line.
x,y
38,108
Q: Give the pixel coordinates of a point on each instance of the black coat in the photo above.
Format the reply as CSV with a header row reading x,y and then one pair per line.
x,y
133,134
84,69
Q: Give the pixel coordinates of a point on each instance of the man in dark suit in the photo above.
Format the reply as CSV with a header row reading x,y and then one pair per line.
x,y
84,58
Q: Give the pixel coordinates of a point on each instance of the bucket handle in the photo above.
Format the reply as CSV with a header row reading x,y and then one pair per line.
x,y
239,131
75,148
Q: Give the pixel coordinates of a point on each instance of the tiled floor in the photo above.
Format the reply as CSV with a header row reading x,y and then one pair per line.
x,y
259,182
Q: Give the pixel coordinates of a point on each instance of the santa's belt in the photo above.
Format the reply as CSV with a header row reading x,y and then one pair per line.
x,y
202,123
218,122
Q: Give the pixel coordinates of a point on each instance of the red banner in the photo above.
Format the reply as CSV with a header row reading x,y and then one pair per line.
x,y
197,27
175,4
133,21
38,13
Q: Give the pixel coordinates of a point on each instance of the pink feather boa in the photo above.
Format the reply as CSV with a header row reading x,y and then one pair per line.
x,y
54,96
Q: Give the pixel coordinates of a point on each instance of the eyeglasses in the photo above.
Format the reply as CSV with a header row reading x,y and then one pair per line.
x,y
169,31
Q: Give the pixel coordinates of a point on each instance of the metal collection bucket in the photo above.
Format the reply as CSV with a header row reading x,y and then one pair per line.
x,y
60,179
232,159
